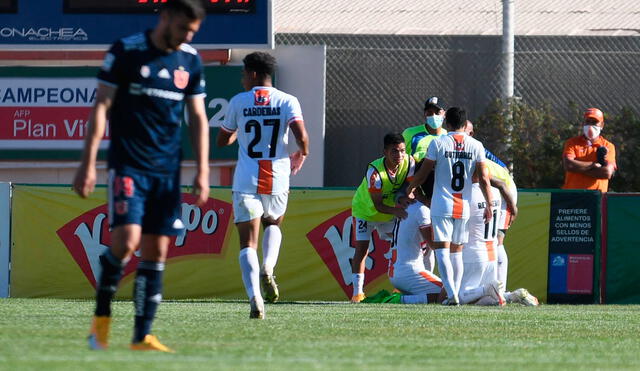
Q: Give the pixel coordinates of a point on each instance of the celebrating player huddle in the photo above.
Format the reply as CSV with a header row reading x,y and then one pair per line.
x,y
460,208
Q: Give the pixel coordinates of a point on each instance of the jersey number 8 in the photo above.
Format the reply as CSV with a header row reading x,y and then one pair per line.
x,y
457,180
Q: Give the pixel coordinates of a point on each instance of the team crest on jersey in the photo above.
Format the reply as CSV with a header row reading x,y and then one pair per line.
x,y
261,97
180,78
458,143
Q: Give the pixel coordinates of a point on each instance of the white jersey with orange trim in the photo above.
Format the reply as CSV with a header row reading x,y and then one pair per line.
x,y
261,118
407,239
483,239
456,155
406,266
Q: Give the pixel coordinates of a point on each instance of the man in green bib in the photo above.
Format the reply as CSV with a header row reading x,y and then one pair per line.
x,y
374,204
417,138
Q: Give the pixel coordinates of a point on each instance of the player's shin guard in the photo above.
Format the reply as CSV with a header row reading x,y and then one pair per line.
x,y
250,268
270,248
503,264
112,269
446,272
458,269
147,295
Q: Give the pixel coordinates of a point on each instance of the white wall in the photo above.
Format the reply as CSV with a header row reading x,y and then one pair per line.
x,y
5,242
302,72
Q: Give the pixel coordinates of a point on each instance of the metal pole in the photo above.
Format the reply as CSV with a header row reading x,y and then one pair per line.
x,y
508,31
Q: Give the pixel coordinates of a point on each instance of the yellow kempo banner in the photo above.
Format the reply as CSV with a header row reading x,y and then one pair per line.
x,y
58,237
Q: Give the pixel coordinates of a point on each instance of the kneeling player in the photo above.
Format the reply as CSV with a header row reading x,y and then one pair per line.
x,y
479,283
407,272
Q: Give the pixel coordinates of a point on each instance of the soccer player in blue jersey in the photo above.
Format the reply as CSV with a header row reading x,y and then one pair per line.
x,y
143,86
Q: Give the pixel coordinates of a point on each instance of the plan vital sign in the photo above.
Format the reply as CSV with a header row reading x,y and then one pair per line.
x,y
148,6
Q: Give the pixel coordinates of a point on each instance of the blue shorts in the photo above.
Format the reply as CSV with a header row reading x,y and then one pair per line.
x,y
151,201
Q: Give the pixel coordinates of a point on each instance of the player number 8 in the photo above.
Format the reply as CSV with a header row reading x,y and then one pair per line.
x,y
457,180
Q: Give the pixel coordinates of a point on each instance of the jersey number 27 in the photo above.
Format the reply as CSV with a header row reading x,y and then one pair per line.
x,y
255,127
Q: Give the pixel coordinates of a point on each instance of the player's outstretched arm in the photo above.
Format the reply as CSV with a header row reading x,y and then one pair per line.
x,y
199,130
482,173
420,176
84,181
397,211
302,140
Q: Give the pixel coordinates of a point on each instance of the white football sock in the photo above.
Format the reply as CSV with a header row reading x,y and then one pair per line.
x,y
458,269
250,268
414,299
358,283
270,248
429,260
446,271
503,265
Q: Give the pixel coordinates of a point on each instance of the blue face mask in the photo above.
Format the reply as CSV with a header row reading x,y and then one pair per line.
x,y
435,121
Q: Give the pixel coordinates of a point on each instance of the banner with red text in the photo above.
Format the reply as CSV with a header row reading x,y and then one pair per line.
x,y
57,238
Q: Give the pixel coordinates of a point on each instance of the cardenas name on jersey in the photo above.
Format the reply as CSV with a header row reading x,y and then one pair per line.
x,y
261,111
458,154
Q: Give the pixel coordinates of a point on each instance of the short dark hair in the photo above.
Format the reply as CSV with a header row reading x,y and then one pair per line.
x,y
261,63
192,9
455,117
392,139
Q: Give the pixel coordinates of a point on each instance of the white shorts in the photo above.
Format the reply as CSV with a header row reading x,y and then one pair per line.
x,y
248,206
446,229
413,281
364,229
477,274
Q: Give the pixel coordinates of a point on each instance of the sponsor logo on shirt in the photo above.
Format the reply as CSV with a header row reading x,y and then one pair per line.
x,y
164,74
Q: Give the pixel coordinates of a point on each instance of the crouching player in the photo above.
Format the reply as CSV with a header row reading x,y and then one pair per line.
x,y
407,272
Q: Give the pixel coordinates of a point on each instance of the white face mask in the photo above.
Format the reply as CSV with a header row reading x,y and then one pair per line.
x,y
435,121
592,132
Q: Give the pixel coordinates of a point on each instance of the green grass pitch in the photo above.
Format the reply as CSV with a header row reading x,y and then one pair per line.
x,y
40,334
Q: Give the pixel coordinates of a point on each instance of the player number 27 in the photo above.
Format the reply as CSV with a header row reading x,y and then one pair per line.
x,y
255,127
